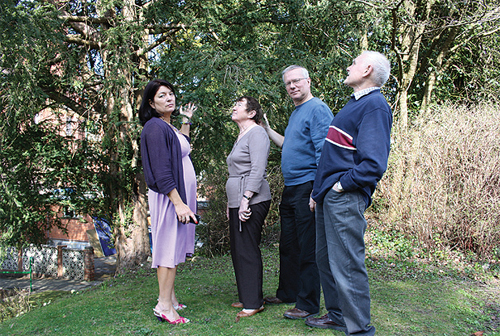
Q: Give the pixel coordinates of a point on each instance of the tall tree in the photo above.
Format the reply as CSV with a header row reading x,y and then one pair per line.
x,y
92,58
466,25
84,58
36,159
427,38
245,54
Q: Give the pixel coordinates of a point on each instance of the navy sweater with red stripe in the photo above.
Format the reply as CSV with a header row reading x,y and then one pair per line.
x,y
357,147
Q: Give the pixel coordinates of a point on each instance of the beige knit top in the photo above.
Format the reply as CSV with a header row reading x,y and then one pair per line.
x,y
247,168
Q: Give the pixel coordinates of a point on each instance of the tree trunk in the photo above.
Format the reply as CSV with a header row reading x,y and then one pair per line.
x,y
363,33
132,240
403,108
429,86
408,50
132,237
439,67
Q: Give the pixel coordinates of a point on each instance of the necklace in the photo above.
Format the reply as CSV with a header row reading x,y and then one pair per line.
x,y
245,130
172,126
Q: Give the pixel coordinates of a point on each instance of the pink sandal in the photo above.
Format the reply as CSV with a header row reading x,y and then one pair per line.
x,y
161,317
180,307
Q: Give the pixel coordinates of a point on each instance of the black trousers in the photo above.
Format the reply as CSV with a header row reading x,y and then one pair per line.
x,y
299,277
245,252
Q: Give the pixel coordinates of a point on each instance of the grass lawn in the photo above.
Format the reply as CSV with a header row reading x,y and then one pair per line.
x,y
407,299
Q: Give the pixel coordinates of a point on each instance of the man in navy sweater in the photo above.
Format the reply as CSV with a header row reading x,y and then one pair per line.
x,y
301,149
353,160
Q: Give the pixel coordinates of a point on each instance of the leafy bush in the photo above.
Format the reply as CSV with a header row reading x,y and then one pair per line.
x,y
443,181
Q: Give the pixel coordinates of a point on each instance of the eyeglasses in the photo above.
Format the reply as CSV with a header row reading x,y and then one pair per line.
x,y
294,81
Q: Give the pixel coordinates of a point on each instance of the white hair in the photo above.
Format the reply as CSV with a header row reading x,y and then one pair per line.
x,y
381,66
305,73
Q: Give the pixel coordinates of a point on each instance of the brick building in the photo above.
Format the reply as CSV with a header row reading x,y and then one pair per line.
x,y
80,229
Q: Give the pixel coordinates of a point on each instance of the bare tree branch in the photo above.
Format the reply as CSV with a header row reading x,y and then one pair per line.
x,y
164,28
88,19
62,99
80,41
79,26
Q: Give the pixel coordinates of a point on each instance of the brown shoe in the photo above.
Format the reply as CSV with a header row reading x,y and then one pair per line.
x,y
248,314
237,305
272,300
324,322
297,313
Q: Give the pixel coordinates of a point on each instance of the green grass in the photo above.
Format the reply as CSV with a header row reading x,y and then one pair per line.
x,y
407,299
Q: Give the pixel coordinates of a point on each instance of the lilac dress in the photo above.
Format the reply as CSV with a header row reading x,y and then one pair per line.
x,y
172,240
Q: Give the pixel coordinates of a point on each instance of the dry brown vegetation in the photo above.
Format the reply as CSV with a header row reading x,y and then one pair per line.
x,y
442,185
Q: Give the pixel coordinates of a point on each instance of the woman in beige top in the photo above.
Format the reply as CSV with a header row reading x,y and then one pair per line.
x,y
249,198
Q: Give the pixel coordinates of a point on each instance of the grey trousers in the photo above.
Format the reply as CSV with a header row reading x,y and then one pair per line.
x,y
340,256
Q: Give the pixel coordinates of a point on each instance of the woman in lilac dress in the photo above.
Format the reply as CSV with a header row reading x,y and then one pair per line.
x,y
171,179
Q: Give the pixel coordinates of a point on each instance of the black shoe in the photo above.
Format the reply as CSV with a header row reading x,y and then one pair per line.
x,y
272,300
296,313
324,322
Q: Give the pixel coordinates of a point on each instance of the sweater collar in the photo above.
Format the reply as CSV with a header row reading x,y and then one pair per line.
x,y
364,92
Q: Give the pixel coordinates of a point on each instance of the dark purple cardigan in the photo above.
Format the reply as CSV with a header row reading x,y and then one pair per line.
x,y
162,158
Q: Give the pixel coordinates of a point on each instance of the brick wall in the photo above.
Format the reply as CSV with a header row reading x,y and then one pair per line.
x,y
77,229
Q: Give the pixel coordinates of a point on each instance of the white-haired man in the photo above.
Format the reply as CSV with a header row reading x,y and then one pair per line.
x,y
353,160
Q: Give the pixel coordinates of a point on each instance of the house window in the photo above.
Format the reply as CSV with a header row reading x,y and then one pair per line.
x,y
69,212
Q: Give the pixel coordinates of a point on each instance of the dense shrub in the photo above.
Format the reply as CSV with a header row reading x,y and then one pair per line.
x,y
214,233
443,181
13,303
